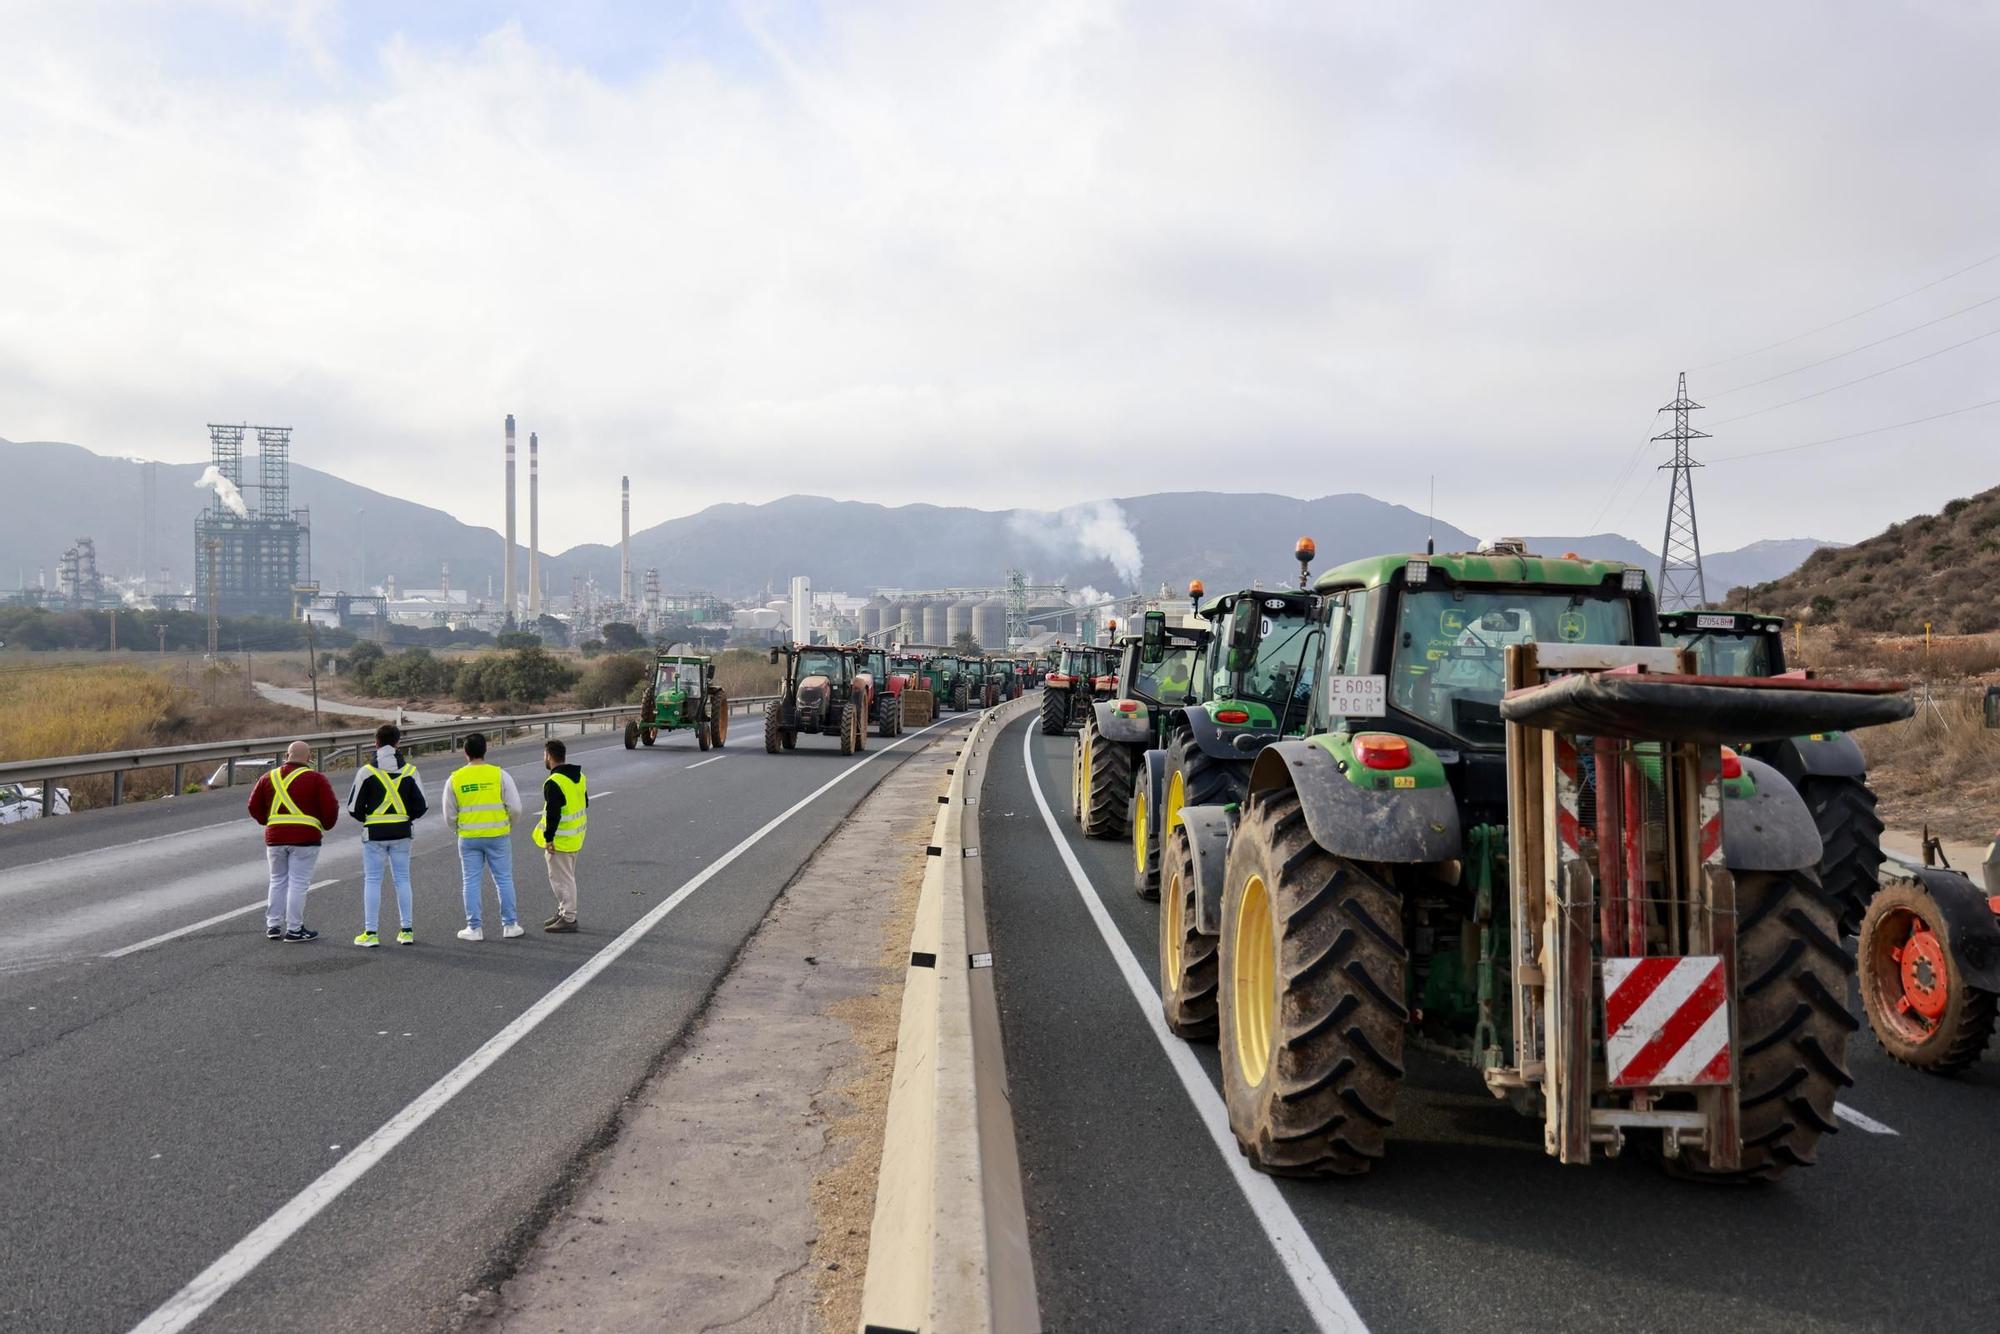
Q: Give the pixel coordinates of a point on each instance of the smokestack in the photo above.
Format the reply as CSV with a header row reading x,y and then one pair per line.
x,y
507,563
534,526
625,540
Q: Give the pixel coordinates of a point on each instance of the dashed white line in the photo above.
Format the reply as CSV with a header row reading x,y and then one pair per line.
x,y
209,1287
1321,1292
698,763
1865,1122
205,922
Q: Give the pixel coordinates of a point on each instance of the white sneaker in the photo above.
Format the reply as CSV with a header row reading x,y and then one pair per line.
x,y
472,933
512,929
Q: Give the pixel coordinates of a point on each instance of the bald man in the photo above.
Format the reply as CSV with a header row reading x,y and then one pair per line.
x,y
296,806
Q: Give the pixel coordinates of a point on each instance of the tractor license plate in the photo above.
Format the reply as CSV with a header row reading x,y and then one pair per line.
x,y
1666,1022
1357,696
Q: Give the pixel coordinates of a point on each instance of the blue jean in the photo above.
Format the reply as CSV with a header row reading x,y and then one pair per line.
x,y
487,854
291,875
394,853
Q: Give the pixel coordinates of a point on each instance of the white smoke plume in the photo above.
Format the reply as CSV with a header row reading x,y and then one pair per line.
x,y
1096,531
211,479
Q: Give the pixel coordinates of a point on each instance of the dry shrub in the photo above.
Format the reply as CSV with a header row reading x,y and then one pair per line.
x,y
80,710
1941,767
743,672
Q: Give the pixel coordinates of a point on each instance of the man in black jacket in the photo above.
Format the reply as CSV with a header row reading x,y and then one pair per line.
x,y
386,799
559,833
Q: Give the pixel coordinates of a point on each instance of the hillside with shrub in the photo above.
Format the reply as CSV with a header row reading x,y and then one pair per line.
x,y
1941,568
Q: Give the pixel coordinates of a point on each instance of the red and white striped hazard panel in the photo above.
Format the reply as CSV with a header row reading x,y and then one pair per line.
x,y
1666,1021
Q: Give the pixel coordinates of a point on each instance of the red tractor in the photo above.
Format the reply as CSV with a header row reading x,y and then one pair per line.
x,y
824,691
886,687
1929,960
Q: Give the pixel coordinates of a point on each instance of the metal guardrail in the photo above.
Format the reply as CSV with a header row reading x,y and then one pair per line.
x,y
327,745
948,1248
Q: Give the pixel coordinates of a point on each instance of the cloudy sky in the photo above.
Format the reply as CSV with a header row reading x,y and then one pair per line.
x,y
1018,253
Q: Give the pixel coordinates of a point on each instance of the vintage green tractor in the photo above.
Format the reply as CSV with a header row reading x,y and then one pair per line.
x,y
824,691
1516,835
681,696
1082,675
1827,768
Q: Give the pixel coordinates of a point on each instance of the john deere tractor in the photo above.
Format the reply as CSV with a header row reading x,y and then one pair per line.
x,y
1516,835
824,691
1827,768
681,696
1082,675
885,690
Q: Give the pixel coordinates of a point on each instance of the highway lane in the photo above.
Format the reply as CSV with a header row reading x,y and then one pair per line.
x,y
1138,1222
157,1107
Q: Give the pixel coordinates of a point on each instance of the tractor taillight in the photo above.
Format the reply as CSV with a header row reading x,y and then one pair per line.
x,y
1379,750
1232,715
1732,764
1128,706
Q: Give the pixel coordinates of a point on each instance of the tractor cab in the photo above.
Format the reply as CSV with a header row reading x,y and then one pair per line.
x,y
1256,672
1160,664
1728,643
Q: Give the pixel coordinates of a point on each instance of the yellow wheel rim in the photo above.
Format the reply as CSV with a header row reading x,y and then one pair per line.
x,y
1176,798
1139,832
1254,983
1170,933
1083,774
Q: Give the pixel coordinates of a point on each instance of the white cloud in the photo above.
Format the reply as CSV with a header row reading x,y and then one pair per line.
x,y
1005,254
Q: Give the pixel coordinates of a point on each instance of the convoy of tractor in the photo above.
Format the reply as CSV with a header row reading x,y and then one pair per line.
x,y
681,695
1477,804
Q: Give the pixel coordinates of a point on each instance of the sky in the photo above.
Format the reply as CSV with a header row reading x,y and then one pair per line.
x,y
1020,254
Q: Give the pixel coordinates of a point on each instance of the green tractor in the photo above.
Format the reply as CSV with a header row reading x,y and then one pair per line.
x,y
1515,834
1158,672
1254,682
1082,676
681,696
1827,768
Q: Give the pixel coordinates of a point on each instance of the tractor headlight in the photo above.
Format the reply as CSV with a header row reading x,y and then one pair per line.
x,y
1634,581
1417,573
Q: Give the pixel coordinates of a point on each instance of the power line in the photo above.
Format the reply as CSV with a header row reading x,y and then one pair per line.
x,y
1963,310
1848,319
1817,393
1625,476
1856,435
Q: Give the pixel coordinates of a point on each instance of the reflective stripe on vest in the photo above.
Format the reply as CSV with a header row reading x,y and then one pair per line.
x,y
392,810
283,809
482,809
575,817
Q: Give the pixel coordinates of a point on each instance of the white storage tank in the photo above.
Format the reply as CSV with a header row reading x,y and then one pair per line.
x,y
958,618
989,624
934,621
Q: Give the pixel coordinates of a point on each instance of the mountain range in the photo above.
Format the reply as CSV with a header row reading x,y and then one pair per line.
x,y
360,537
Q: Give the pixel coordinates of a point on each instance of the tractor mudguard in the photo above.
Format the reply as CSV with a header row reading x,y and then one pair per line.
x,y
1770,830
1149,776
1215,741
1133,729
1969,919
1830,755
1208,829
1392,825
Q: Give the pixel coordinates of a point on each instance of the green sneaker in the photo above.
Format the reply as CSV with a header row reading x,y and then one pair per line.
x,y
406,937
368,940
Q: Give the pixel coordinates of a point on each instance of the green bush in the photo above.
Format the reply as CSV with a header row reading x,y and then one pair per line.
x,y
613,680
522,676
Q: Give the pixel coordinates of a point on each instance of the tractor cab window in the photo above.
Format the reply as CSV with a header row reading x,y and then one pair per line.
x,y
1729,655
1283,671
819,662
1167,680
684,676
1449,654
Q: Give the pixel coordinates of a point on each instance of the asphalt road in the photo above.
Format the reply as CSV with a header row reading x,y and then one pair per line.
x,y
157,1106
1141,1220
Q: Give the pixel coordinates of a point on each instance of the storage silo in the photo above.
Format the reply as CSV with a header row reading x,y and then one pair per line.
x,y
989,624
958,618
870,618
911,621
934,621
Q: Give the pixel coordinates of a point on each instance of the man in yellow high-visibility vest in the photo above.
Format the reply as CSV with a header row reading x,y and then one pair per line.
x,y
559,833
480,801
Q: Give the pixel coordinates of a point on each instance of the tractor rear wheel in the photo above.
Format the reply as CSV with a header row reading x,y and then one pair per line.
x,y
1791,1023
961,698
1310,994
850,729
719,702
791,738
1187,956
701,735
1918,1003
631,736
1055,713
892,714
774,732
1145,850
1107,782
1851,834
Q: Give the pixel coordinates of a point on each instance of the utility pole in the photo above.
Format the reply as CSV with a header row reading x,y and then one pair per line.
x,y
312,669
1681,582
163,638
114,629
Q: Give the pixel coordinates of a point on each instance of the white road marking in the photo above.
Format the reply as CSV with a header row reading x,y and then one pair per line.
x,y
698,763
209,1287
1321,1292
1867,1123
204,923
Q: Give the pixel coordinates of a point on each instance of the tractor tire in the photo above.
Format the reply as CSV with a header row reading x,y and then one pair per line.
x,y
1145,851
1923,1013
631,736
1055,713
892,714
1791,1023
850,728
649,735
721,718
774,732
701,736
1310,992
1106,770
1196,778
1187,956
791,738
1851,864
961,698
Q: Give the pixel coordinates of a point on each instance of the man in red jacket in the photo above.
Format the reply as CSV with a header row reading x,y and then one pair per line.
x,y
296,806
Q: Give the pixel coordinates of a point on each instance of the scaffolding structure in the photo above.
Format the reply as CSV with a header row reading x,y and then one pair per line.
x,y
77,578
248,564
